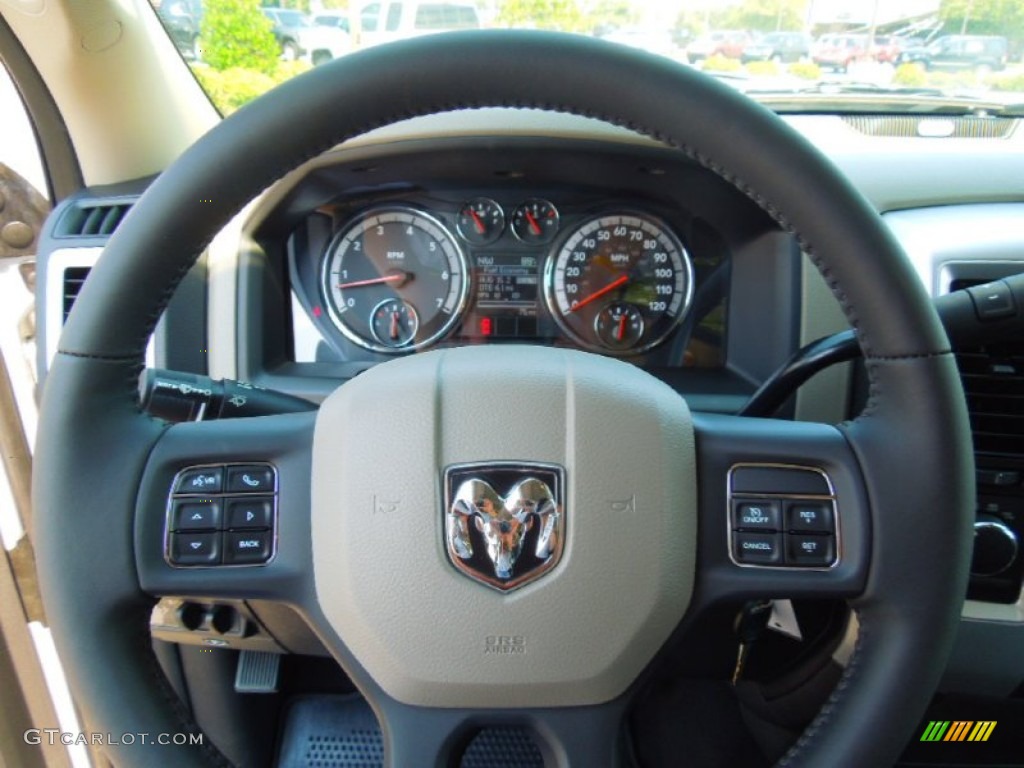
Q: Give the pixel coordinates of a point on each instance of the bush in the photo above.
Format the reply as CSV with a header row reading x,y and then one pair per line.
x,y
763,68
235,34
232,88
948,81
1007,82
807,70
236,87
719,63
910,75
286,70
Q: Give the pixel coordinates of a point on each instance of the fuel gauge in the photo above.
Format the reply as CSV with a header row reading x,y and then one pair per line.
x,y
481,221
394,323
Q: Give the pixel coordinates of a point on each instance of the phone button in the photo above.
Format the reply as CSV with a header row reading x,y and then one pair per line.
x,y
250,479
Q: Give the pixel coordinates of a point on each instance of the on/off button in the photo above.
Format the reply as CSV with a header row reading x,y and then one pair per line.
x,y
757,516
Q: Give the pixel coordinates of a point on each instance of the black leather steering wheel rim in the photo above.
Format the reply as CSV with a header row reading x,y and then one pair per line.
x,y
909,608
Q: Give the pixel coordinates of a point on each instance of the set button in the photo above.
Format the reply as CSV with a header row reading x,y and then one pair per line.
x,y
222,515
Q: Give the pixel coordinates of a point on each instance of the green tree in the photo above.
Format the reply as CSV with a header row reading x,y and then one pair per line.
x,y
563,15
234,33
763,15
983,17
607,15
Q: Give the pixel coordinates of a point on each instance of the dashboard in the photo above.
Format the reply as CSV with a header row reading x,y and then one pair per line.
x,y
627,251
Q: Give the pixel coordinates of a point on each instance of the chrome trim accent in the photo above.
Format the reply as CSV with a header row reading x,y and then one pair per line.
x,y
464,275
223,494
551,269
1008,532
503,522
831,497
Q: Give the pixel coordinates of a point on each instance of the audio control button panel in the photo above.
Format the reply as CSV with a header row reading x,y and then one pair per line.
x,y
222,515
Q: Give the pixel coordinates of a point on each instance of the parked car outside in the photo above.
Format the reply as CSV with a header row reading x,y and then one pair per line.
x,y
650,39
960,52
299,38
383,22
723,42
886,48
335,19
778,46
838,52
182,18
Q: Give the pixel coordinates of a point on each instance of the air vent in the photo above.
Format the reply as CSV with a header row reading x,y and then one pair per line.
x,y
74,277
937,127
91,220
993,380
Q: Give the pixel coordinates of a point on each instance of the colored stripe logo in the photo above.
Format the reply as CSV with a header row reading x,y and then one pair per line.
x,y
958,730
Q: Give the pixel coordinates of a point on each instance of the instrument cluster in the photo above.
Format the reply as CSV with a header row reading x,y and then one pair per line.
x,y
394,277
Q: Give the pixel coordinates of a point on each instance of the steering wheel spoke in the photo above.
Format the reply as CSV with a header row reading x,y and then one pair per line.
x,y
783,512
223,510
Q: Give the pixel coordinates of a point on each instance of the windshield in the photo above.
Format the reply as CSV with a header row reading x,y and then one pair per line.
x,y
943,56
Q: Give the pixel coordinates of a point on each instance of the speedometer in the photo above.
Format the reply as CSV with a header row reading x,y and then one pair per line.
x,y
395,280
620,283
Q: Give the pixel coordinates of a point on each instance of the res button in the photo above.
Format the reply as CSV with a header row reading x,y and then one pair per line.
x,y
810,517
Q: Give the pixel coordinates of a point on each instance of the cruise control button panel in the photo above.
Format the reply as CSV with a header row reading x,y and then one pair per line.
x,y
222,515
782,517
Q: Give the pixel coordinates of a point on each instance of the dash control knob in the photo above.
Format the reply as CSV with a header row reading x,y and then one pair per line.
x,y
995,546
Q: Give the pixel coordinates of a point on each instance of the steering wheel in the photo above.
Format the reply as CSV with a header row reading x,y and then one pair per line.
x,y
374,581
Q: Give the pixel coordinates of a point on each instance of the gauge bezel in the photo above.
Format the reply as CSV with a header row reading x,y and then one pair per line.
x,y
461,302
543,238
499,228
551,266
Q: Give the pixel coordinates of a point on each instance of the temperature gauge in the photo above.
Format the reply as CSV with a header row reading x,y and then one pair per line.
x,y
481,221
535,221
619,325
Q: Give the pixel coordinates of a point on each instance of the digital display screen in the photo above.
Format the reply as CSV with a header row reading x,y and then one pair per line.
x,y
506,280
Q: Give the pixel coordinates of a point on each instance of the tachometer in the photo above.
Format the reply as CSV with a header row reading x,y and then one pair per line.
x,y
395,280
620,283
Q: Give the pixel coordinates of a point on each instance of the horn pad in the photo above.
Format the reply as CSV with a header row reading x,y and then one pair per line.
x,y
584,628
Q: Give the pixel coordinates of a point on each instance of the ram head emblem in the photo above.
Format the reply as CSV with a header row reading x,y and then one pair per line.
x,y
479,515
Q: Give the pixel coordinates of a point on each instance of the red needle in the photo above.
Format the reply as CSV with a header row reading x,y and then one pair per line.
x,y
620,332
533,223
392,278
394,325
598,294
477,221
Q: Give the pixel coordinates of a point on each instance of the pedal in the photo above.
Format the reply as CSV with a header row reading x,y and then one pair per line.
x,y
257,672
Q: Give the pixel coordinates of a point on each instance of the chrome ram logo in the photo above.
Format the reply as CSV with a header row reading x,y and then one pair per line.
x,y
504,523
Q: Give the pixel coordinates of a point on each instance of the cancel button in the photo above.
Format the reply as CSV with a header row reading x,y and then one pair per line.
x,y
758,548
